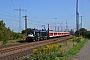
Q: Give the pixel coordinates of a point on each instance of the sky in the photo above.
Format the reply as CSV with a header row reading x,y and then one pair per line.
x,y
44,12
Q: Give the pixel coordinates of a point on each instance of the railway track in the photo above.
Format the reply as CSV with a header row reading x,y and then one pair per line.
x,y
13,52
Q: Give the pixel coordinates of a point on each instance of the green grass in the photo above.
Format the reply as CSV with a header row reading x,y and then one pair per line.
x,y
44,56
75,49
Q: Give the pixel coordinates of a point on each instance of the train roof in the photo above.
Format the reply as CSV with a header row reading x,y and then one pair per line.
x,y
36,30
58,32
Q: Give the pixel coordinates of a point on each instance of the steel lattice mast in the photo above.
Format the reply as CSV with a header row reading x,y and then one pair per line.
x,y
77,16
20,17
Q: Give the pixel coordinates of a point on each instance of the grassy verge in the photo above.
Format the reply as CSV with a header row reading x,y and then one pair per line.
x,y
75,49
58,51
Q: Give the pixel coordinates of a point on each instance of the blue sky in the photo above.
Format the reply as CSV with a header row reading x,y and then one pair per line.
x,y
42,12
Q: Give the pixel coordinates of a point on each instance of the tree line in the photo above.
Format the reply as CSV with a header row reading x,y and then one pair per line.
x,y
81,32
7,33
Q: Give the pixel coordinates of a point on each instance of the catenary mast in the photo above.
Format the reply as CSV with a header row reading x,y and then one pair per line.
x,y
77,16
19,18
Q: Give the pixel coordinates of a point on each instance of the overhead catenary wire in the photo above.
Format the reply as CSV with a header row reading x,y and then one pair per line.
x,y
53,17
18,21
27,7
32,22
14,16
8,14
8,4
22,4
8,19
27,4
29,23
12,3
35,21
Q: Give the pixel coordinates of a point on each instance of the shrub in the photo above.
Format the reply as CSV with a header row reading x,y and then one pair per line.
x,y
5,41
47,48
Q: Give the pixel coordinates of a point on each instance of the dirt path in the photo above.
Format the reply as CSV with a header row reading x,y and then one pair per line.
x,y
83,54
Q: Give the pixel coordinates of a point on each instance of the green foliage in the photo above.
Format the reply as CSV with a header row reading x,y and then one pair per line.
x,y
47,48
25,31
75,49
7,34
5,41
72,32
76,40
48,56
26,59
44,56
83,32
2,30
88,34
